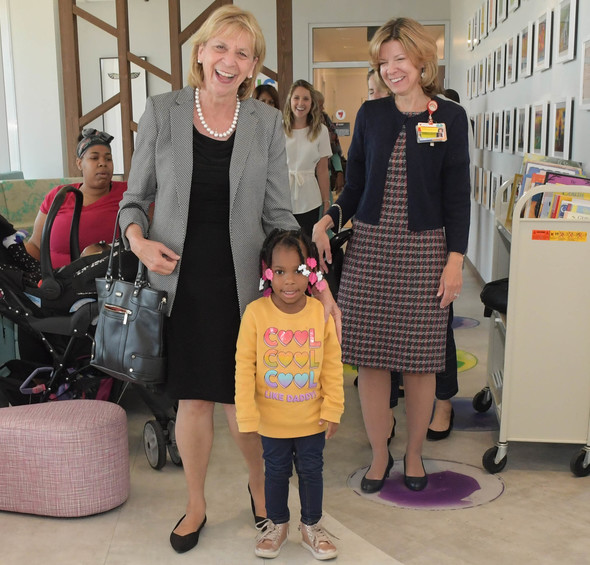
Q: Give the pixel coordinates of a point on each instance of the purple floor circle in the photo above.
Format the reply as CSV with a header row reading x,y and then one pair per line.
x,y
451,486
462,323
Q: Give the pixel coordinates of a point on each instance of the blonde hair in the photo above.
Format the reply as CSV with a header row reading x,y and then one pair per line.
x,y
418,45
314,118
233,19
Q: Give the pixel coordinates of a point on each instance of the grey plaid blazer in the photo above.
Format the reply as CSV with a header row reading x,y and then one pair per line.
x,y
161,172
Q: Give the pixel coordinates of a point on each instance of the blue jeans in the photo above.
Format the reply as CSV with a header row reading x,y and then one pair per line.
x,y
307,454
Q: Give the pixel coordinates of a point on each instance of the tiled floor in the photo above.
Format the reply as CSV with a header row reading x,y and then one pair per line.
x,y
542,517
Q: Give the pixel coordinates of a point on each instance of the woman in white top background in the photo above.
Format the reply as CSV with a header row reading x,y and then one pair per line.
x,y
308,151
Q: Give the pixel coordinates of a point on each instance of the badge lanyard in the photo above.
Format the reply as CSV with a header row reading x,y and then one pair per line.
x,y
431,132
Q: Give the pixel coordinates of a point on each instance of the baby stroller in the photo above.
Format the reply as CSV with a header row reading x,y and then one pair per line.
x,y
58,309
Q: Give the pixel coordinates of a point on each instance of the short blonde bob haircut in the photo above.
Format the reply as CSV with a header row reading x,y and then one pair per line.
x,y
228,19
418,45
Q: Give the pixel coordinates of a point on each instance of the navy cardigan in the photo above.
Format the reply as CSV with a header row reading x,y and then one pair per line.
x,y
438,176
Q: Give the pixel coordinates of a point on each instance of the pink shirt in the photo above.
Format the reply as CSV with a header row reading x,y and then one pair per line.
x,y
97,221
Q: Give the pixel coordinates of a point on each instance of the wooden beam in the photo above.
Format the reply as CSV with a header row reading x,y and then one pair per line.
x,y
124,82
175,45
284,47
94,20
99,110
71,80
149,67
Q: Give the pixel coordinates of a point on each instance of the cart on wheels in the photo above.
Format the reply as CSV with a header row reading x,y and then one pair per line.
x,y
538,374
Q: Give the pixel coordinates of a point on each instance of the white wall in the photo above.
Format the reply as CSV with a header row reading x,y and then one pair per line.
x,y
559,80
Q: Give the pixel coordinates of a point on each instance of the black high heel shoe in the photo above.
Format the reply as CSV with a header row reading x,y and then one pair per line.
x,y
415,483
258,520
433,435
375,485
182,544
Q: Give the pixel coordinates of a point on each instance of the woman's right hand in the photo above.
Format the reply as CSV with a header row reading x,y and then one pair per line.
x,y
322,241
154,255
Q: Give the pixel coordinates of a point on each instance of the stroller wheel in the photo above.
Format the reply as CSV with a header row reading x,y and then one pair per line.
x,y
172,447
154,443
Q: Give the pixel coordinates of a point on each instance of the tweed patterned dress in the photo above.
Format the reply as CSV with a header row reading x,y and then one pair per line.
x,y
391,317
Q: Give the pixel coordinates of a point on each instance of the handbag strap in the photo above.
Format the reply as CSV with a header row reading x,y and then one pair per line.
x,y
140,279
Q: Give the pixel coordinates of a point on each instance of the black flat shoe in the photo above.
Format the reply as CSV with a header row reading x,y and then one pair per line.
x,y
433,435
375,485
415,483
392,434
182,544
258,520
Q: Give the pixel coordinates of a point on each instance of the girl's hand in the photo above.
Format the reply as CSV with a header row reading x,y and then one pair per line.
x,y
332,428
451,280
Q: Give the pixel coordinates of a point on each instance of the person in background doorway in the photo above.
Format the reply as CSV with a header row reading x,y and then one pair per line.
x,y
268,94
308,151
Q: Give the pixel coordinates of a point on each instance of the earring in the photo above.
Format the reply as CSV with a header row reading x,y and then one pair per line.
x,y
199,62
249,76
422,75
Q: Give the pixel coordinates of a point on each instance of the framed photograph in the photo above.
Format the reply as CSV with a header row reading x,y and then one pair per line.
x,y
502,10
474,81
565,30
477,184
483,20
470,34
487,124
525,61
492,10
513,5
490,72
479,132
511,59
468,83
481,77
539,128
496,182
508,138
500,65
561,128
475,28
486,179
513,194
585,78
521,130
497,131
543,42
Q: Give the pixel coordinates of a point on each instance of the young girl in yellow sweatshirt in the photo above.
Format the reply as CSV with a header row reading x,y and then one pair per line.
x,y
289,387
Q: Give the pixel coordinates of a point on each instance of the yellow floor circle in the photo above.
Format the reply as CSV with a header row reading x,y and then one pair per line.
x,y
465,361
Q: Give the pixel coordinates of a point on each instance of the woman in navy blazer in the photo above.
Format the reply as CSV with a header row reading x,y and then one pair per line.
x,y
403,264
213,161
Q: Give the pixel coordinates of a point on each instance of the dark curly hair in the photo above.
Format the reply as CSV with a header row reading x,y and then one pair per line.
x,y
291,239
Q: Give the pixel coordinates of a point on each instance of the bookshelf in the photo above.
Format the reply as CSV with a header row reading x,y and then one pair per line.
x,y
538,373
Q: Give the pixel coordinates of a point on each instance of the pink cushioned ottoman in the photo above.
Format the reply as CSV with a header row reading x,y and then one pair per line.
x,y
66,458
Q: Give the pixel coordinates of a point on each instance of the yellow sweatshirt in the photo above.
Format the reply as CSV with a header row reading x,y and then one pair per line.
x,y
288,371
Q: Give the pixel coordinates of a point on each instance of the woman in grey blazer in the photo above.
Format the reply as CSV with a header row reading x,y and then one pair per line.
x,y
213,161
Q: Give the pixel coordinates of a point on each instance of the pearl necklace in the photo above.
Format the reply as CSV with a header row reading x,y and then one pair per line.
x,y
212,132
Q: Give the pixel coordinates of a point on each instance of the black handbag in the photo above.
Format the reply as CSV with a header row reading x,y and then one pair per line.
x,y
129,341
494,296
335,268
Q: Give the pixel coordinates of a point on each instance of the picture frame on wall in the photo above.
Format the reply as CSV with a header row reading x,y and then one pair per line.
x,y
513,5
487,121
490,72
477,184
479,131
538,144
500,66
475,28
474,81
496,182
561,128
502,10
468,84
508,131
483,20
486,178
511,59
525,60
497,131
470,34
565,30
585,76
492,10
521,130
543,41
481,77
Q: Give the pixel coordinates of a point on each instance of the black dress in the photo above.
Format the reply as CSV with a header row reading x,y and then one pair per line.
x,y
205,319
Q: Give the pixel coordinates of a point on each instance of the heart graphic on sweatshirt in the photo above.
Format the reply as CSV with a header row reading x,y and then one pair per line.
x,y
285,358
301,379
285,336
285,379
300,337
301,359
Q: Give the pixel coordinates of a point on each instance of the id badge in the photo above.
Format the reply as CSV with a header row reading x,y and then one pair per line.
x,y
427,132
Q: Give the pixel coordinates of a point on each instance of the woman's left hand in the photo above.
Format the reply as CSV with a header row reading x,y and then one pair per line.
x,y
451,280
